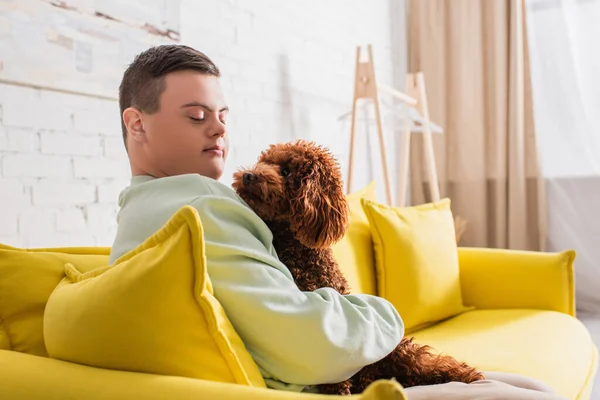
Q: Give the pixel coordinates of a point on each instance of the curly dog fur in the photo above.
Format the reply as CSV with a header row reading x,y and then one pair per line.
x,y
297,189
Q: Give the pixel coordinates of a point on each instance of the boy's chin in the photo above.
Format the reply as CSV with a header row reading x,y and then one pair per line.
x,y
216,175
215,172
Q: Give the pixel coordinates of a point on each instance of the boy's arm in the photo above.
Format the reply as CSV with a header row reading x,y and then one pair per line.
x,y
304,338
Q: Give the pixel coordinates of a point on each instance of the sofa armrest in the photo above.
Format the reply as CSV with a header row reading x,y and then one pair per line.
x,y
25,376
495,278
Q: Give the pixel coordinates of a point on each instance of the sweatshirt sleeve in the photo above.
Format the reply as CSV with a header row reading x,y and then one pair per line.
x,y
296,337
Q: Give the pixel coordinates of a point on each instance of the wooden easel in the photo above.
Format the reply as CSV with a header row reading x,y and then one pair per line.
x,y
415,86
366,87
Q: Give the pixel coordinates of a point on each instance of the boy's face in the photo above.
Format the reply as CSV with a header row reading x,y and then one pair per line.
x,y
187,134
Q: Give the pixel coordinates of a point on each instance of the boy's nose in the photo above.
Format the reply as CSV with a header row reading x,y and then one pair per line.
x,y
248,177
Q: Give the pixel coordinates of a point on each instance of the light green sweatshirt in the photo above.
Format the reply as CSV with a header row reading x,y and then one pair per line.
x,y
298,339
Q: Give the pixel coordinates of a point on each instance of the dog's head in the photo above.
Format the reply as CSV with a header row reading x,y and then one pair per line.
x,y
301,183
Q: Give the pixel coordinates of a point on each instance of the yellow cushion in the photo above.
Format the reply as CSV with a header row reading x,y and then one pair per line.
x,y
354,253
152,311
547,345
416,259
27,278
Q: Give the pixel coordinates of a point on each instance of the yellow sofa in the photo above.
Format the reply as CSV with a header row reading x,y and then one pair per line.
x,y
520,319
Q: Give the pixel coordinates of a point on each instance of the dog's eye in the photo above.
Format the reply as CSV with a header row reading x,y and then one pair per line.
x,y
285,172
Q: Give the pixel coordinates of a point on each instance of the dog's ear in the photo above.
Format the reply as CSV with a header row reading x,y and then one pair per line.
x,y
319,213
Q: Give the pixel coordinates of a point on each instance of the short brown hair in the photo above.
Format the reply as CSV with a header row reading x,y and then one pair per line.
x,y
143,80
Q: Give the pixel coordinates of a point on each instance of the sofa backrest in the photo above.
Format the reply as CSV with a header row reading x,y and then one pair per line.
x,y
354,253
27,278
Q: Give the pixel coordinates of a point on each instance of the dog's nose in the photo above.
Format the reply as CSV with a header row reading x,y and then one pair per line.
x,y
248,177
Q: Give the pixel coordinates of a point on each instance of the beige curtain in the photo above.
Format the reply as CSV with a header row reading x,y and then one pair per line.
x,y
474,58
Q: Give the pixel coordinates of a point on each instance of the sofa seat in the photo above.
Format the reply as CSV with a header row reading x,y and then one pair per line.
x,y
29,377
551,346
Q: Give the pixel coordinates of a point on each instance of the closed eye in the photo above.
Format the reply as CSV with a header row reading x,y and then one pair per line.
x,y
197,119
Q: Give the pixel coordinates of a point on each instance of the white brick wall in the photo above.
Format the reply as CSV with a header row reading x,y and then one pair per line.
x,y
33,165
66,191
56,177
62,143
287,71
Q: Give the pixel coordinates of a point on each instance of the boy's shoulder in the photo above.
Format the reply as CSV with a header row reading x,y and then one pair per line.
x,y
188,186
148,203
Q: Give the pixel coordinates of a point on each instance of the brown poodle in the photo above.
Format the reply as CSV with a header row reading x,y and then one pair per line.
x,y
296,188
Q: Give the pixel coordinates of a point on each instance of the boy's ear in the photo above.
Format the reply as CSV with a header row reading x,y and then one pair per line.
x,y
132,119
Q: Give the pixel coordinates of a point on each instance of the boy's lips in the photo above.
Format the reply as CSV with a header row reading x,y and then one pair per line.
x,y
214,150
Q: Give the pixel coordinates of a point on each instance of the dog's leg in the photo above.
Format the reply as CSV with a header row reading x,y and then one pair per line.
x,y
428,368
412,364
